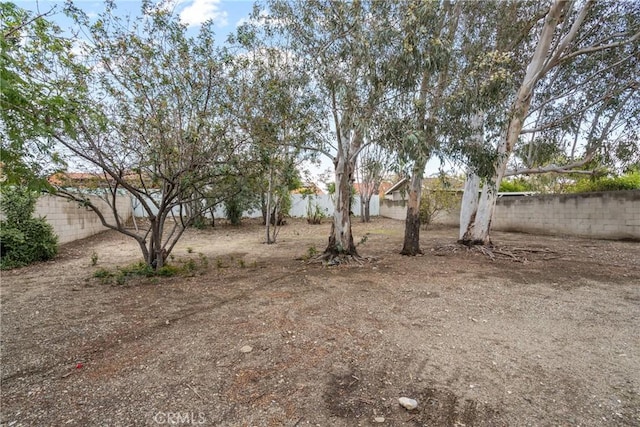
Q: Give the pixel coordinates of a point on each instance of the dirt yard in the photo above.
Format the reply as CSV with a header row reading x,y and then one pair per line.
x,y
255,336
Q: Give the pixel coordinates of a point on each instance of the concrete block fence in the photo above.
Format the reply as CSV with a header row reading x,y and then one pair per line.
x,y
72,222
603,215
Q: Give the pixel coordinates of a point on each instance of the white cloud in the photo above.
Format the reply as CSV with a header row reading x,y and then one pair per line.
x,y
263,18
168,5
260,21
203,10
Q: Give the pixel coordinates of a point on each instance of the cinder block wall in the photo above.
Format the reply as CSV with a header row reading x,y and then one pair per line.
x,y
72,222
395,209
605,215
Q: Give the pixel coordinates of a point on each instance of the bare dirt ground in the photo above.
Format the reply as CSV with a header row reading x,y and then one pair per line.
x,y
552,341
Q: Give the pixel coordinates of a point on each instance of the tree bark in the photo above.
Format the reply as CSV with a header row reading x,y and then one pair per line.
x,y
469,207
482,225
341,238
537,67
268,208
366,214
411,245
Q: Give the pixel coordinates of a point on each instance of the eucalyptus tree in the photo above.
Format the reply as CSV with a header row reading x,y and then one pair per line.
x,y
272,105
566,32
372,166
490,41
423,74
343,46
586,109
148,123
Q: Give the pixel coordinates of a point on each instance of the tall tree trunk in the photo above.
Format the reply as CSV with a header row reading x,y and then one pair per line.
x,y
341,239
544,58
411,245
268,208
469,207
366,214
482,225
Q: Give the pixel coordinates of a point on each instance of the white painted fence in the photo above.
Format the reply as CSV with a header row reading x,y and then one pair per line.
x,y
299,207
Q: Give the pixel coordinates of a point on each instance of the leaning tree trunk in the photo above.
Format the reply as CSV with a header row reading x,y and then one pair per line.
x,y
469,205
469,208
341,239
488,199
267,220
536,69
412,223
482,225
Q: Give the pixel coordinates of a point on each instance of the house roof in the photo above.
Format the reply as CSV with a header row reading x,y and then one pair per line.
x,y
75,178
92,180
384,187
396,186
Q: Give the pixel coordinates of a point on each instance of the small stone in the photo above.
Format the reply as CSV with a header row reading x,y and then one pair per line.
x,y
378,419
246,349
408,403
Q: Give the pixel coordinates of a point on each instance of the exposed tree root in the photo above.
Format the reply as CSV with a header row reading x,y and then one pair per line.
x,y
494,252
331,259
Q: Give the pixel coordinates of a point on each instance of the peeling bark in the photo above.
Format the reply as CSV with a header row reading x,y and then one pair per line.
x,y
411,245
469,207
341,238
543,56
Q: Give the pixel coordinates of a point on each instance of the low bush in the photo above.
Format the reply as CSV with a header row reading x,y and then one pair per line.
x,y
23,239
434,202
514,186
628,181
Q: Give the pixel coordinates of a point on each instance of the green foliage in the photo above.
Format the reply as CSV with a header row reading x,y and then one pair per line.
x,y
315,215
23,239
628,181
311,252
94,259
141,269
515,186
102,273
435,200
30,98
233,208
189,268
204,261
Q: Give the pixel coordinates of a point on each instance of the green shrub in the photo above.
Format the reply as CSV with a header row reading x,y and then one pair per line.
x,y
102,273
435,201
139,269
628,181
233,210
514,186
167,271
23,239
122,274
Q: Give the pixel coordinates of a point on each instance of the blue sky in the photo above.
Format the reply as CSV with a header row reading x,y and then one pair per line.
x,y
226,14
